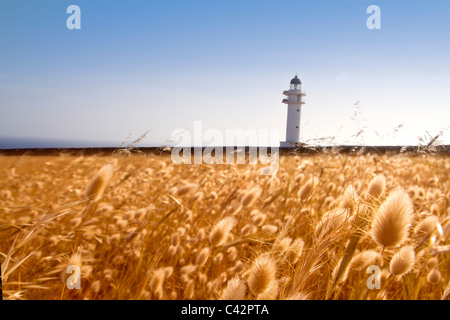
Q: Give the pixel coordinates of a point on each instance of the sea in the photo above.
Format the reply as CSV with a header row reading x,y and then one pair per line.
x,y
26,143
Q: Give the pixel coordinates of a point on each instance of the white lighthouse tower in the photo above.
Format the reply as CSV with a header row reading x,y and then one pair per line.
x,y
294,102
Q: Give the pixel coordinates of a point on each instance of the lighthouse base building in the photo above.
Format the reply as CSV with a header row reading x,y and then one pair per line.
x,y
294,106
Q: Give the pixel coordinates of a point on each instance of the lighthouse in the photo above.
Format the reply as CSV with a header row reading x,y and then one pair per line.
x,y
294,106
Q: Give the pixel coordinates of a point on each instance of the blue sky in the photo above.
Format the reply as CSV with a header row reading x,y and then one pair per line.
x,y
161,65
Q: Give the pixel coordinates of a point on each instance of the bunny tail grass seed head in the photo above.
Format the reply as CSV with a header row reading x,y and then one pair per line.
x,y
157,280
235,290
258,219
271,293
99,182
298,296
261,274
434,275
202,257
392,220
250,197
188,269
425,227
294,251
248,229
306,190
377,186
364,259
219,233
432,262
403,261
349,199
75,260
188,188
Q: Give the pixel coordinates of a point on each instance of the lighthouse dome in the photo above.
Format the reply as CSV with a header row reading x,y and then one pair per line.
x,y
296,80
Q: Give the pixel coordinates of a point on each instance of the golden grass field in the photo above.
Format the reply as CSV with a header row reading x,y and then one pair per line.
x,y
140,227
